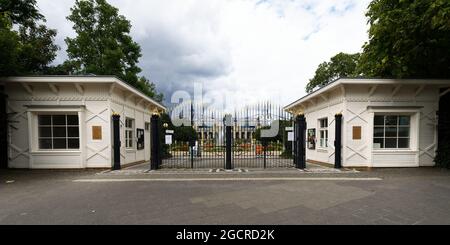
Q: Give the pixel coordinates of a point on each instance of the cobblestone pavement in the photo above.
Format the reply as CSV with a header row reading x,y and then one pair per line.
x,y
276,196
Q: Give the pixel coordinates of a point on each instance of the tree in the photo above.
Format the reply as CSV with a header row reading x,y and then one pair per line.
x,y
31,49
281,136
103,45
407,39
181,133
38,49
9,47
149,89
23,12
340,65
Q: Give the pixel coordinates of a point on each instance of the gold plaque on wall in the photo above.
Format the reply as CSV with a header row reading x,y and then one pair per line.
x,y
356,132
96,132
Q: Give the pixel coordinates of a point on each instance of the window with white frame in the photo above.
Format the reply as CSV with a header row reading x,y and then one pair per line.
x,y
391,131
129,132
147,126
323,133
58,132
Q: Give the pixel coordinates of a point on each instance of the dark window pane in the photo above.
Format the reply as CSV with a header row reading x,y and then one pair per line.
x,y
59,120
391,120
379,120
378,132
73,143
390,143
403,132
391,131
45,144
59,144
403,120
59,131
403,143
129,123
73,132
45,120
378,143
72,119
45,132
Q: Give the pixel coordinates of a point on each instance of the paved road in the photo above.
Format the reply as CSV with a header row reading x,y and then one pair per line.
x,y
382,196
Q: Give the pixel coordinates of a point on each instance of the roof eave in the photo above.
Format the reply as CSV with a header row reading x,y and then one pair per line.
x,y
378,81
80,79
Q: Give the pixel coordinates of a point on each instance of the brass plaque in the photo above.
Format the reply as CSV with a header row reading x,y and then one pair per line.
x,y
356,132
96,132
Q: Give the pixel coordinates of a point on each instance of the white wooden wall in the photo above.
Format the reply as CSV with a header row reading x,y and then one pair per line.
x,y
327,105
358,105
420,102
127,105
94,103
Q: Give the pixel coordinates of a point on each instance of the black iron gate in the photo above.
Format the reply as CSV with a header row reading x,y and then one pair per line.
x,y
234,143
207,152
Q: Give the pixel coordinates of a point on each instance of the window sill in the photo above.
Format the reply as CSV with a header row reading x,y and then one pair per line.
x,y
130,150
323,150
62,152
378,151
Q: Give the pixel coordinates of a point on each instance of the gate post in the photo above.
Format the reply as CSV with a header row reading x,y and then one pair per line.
x,y
155,153
228,138
294,143
191,151
300,141
116,141
265,145
338,141
228,141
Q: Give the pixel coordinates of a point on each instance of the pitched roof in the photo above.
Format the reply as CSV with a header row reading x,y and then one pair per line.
x,y
368,81
81,79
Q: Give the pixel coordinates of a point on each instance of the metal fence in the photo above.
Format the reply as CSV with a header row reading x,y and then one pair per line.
x,y
210,151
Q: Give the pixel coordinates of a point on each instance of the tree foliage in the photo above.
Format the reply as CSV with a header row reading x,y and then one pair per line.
x,y
408,39
23,12
340,65
103,45
38,49
281,136
181,133
30,48
149,88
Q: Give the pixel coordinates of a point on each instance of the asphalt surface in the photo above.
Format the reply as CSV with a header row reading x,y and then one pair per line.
x,y
275,196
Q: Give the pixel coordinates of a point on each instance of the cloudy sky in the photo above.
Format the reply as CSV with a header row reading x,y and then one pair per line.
x,y
239,50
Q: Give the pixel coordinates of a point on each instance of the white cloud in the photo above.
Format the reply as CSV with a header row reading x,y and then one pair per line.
x,y
250,50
